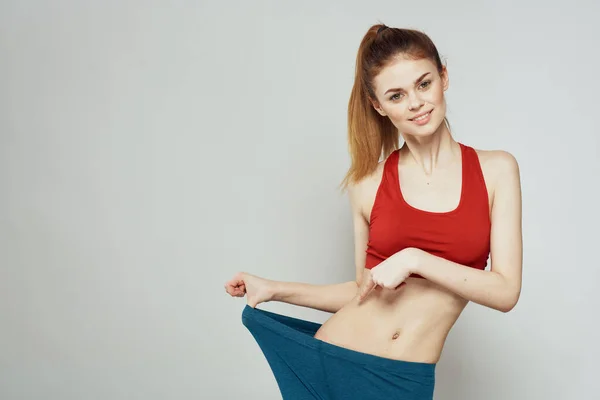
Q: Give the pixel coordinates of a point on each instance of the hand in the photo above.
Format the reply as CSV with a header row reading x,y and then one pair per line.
x,y
390,273
259,290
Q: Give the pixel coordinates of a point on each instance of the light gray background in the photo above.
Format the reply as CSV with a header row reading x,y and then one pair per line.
x,y
149,150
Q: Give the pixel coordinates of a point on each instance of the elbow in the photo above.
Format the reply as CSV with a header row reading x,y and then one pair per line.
x,y
509,303
505,308
509,294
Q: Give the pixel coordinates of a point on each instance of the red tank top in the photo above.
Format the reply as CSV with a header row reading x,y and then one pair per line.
x,y
461,235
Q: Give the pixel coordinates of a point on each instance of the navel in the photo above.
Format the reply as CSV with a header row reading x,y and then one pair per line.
x,y
396,335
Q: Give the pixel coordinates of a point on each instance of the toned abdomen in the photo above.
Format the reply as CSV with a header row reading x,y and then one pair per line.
x,y
410,323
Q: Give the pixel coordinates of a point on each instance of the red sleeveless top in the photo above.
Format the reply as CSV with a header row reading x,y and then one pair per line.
x,y
461,235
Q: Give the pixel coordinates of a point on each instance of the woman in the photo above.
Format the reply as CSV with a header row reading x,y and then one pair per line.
x,y
426,218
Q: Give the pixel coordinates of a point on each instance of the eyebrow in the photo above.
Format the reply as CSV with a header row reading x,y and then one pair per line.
x,y
417,81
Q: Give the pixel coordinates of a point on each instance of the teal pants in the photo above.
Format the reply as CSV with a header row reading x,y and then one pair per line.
x,y
307,368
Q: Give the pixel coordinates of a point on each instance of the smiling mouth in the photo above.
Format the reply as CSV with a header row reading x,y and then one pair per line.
x,y
422,117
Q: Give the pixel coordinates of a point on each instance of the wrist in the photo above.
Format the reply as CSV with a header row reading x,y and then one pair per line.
x,y
275,291
415,260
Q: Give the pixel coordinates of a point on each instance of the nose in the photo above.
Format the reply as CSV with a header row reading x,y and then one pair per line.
x,y
414,103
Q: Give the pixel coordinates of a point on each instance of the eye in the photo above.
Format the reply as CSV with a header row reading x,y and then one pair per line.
x,y
424,84
393,97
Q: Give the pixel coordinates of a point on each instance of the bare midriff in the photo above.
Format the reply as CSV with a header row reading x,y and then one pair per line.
x,y
410,323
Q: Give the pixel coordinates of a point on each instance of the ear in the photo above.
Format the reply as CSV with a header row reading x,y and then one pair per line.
x,y
378,107
445,78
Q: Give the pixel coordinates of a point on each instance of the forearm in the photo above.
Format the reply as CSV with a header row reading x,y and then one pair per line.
x,y
328,298
486,288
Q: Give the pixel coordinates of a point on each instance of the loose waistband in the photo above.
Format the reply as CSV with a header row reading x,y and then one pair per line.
x,y
302,332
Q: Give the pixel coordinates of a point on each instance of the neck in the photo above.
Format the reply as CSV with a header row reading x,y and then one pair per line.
x,y
433,151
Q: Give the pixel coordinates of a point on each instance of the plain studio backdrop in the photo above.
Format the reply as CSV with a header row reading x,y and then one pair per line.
x,y
149,150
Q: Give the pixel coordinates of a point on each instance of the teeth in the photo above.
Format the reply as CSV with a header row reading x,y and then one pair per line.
x,y
422,117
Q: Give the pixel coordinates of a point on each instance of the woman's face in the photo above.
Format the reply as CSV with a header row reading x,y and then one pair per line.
x,y
407,88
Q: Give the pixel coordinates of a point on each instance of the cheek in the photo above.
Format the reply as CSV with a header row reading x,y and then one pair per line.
x,y
436,99
397,114
435,96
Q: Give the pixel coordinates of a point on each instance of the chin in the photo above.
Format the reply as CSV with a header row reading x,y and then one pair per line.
x,y
426,131
422,131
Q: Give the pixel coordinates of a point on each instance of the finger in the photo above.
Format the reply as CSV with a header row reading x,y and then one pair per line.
x,y
236,290
367,291
234,285
367,288
241,287
235,282
236,293
377,280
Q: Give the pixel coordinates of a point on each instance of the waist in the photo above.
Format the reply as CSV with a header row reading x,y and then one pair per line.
x,y
409,324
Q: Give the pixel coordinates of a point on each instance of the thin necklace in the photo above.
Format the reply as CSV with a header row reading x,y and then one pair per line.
x,y
429,178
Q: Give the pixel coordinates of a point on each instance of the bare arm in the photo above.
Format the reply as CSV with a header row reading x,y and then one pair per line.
x,y
500,287
331,298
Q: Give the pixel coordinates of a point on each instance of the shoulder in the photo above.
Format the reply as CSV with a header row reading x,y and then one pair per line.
x,y
501,173
362,193
498,165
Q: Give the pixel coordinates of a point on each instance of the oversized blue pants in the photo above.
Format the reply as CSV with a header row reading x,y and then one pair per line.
x,y
307,368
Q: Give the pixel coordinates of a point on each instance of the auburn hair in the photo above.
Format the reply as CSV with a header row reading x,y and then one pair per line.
x,y
370,135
